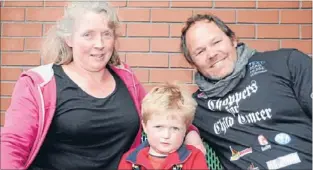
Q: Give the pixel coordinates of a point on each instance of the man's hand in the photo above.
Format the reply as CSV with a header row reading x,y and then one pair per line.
x,y
193,138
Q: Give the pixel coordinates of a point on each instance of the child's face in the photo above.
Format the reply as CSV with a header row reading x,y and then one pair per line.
x,y
165,134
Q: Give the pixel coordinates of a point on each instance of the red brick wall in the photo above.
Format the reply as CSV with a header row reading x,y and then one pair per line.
x,y
150,34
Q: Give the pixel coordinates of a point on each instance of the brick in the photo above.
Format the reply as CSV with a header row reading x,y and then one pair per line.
x,y
170,15
12,44
262,45
165,44
133,44
249,16
22,29
150,30
118,3
175,29
153,4
6,88
142,74
302,45
190,87
55,3
12,14
306,4
189,4
44,14
5,103
243,31
10,73
23,4
134,14
2,119
166,75
178,61
228,16
121,30
122,56
33,43
296,16
234,4
46,28
23,58
147,60
278,31
306,31
279,5
149,86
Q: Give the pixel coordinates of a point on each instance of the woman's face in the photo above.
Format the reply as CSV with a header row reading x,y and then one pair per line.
x,y
92,41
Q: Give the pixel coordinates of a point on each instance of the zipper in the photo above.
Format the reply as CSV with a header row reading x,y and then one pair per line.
x,y
182,162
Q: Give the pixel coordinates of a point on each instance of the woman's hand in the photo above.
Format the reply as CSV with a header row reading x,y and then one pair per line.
x,y
193,138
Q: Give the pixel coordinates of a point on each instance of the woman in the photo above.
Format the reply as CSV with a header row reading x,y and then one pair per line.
x,y
68,115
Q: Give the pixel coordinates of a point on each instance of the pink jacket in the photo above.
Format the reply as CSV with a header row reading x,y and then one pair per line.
x,y
31,111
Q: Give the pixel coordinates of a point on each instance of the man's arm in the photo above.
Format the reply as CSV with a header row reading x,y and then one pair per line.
x,y
300,67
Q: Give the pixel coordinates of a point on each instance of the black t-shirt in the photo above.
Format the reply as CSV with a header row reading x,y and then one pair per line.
x,y
266,121
88,132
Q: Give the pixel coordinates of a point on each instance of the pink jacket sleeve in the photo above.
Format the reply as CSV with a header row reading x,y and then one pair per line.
x,y
21,125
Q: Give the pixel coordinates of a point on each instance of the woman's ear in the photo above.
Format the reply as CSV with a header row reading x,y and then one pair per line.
x,y
68,41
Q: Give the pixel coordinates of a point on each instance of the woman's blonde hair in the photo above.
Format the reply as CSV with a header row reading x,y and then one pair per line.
x,y
54,48
171,100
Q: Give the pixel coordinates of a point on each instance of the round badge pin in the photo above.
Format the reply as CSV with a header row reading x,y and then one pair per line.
x,y
282,138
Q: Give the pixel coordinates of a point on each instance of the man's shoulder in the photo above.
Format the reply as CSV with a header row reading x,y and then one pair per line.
x,y
195,155
275,53
278,56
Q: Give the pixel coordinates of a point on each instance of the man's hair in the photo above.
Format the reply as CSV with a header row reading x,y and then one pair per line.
x,y
169,99
202,17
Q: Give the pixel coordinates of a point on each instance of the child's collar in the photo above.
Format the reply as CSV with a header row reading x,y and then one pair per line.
x,y
183,153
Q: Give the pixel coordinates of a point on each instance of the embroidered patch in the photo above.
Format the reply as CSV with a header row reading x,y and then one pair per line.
x,y
252,167
178,167
282,138
202,95
235,155
264,143
262,140
256,67
283,161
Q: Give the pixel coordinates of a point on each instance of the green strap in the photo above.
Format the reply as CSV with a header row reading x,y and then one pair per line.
x,y
211,158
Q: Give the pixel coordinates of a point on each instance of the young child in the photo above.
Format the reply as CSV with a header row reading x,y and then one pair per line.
x,y
167,111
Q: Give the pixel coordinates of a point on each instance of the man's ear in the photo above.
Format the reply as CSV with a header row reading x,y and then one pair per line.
x,y
193,65
68,41
234,41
